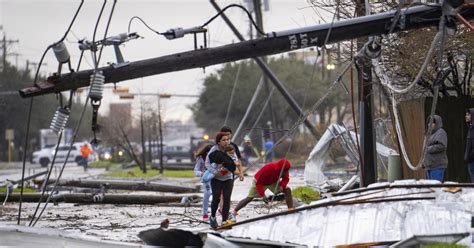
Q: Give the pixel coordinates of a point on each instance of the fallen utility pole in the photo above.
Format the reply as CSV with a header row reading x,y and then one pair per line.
x,y
92,198
25,179
124,185
275,42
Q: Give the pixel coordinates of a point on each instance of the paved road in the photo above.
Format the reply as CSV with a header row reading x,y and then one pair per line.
x,y
12,171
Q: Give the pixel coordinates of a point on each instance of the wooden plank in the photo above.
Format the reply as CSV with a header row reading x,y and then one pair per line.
x,y
413,128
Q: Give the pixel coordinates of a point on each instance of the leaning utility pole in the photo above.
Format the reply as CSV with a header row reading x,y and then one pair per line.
x,y
267,71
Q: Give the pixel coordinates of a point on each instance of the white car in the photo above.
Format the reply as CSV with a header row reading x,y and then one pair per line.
x,y
45,155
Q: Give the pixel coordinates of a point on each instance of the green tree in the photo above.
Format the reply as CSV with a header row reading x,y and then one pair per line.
x,y
15,110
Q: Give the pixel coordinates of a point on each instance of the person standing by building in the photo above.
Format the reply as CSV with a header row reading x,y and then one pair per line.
x,y
469,153
199,169
436,160
85,152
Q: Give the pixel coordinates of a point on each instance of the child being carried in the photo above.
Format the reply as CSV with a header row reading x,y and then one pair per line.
x,y
220,165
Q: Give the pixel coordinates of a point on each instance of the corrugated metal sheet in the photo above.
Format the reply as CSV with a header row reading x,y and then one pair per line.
x,y
377,215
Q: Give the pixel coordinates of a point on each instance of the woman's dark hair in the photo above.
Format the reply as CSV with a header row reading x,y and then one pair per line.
x,y
203,152
226,129
219,136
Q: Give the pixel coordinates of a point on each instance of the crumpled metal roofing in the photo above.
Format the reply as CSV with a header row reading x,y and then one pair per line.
x,y
316,162
385,212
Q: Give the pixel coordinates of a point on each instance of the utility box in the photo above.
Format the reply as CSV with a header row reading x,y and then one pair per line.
x,y
394,168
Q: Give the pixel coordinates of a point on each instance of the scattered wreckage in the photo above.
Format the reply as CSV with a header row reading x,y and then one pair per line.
x,y
386,214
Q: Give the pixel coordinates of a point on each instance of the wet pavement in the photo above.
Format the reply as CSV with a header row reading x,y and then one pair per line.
x,y
124,222
13,171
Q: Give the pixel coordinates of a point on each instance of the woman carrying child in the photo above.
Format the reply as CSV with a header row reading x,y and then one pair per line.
x,y
223,180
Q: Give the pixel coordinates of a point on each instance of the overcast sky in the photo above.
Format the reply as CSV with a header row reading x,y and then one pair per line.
x,y
39,23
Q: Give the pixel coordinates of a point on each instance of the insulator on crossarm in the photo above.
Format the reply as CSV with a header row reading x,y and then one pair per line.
x,y
59,120
97,86
60,50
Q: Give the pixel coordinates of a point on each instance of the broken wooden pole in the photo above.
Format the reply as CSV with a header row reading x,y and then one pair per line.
x,y
26,178
124,185
98,198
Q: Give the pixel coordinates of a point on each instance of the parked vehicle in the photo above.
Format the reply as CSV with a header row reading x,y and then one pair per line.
x,y
105,153
45,155
114,154
42,157
178,154
153,148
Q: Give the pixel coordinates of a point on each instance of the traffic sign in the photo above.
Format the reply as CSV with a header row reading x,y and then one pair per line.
x,y
9,134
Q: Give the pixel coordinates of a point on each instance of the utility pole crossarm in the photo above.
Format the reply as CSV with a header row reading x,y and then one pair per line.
x,y
276,42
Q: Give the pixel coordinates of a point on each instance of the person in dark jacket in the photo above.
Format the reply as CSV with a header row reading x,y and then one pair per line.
x,y
273,176
469,153
436,160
